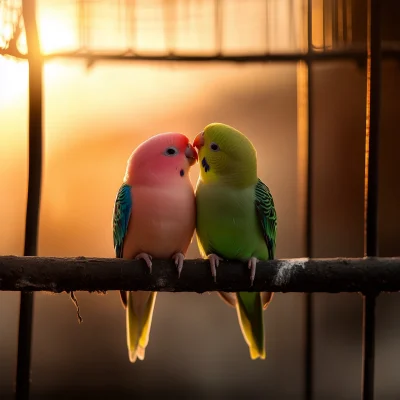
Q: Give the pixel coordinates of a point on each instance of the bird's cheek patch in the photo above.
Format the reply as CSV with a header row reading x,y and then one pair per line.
x,y
205,165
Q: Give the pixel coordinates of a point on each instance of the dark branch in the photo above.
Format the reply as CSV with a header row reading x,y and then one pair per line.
x,y
366,275
13,52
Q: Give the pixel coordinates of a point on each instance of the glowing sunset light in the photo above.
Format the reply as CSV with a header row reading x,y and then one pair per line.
x,y
56,31
13,80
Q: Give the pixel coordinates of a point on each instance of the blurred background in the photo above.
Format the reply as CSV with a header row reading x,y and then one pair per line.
x,y
95,115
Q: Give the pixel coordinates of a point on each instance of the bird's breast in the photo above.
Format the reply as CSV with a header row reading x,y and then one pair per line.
x,y
162,221
227,222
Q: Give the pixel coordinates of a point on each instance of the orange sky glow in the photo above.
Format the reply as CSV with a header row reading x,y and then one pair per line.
x,y
111,107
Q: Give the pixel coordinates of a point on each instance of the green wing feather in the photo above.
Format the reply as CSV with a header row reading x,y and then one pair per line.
x,y
267,216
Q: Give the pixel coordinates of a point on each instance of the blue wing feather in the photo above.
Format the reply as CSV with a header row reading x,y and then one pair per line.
x,y
122,213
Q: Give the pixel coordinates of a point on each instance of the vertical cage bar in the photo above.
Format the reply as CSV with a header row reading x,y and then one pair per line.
x,y
373,109
323,25
304,178
267,30
304,156
340,19
309,315
131,25
345,23
169,9
368,347
334,24
218,26
34,187
83,17
349,21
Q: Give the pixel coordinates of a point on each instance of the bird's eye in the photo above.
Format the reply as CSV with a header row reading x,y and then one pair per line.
x,y
171,151
214,147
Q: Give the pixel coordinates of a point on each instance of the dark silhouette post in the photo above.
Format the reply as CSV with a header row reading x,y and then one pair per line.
x,y
371,187
34,187
309,314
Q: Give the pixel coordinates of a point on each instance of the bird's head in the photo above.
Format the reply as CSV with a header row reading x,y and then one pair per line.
x,y
226,156
162,159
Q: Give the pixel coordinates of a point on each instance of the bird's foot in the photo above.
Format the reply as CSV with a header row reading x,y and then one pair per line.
x,y
214,263
252,264
146,257
178,258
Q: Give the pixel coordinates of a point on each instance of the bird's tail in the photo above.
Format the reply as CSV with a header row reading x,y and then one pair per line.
x,y
250,314
139,314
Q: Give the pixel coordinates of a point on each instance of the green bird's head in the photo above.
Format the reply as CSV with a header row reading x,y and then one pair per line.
x,y
226,156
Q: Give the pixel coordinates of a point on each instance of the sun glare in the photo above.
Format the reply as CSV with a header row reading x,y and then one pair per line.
x,y
56,32
13,80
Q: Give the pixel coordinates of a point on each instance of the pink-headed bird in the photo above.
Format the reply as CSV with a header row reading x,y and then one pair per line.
x,y
154,216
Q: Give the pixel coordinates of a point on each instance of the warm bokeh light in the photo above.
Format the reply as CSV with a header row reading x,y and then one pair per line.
x,y
188,28
13,81
57,25
55,34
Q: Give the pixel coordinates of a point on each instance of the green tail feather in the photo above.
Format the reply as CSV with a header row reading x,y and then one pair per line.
x,y
250,314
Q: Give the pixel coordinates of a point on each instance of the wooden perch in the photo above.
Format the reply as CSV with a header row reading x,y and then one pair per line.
x,y
366,275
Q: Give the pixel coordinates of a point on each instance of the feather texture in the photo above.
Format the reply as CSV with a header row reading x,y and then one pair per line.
x,y
236,218
122,213
267,216
154,216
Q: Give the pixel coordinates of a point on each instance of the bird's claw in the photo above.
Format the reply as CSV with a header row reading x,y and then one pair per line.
x,y
178,259
252,264
214,263
147,258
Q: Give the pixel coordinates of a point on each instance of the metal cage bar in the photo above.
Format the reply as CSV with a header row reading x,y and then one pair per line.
x,y
373,108
34,187
309,315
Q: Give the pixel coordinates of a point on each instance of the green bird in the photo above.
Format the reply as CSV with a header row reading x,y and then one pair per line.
x,y
236,219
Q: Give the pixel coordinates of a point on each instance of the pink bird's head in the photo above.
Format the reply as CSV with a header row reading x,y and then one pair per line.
x,y
163,158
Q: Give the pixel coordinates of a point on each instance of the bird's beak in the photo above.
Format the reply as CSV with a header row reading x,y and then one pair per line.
x,y
191,154
199,141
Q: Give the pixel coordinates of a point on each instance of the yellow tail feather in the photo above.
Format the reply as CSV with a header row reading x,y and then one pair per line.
x,y
247,326
139,315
